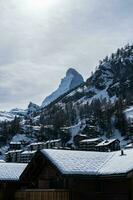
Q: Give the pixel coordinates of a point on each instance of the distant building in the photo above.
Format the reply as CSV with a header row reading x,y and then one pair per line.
x,y
15,145
36,146
78,138
13,156
129,146
89,144
53,144
26,156
108,145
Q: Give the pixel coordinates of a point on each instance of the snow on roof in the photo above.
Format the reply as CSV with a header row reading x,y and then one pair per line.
x,y
129,146
15,142
76,162
106,142
1,161
52,141
56,140
13,151
90,140
11,171
36,143
129,112
28,152
90,163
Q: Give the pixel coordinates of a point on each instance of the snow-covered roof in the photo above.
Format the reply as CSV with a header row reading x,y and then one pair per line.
x,y
11,171
14,151
90,140
71,162
106,142
56,140
52,141
28,152
36,143
128,146
15,143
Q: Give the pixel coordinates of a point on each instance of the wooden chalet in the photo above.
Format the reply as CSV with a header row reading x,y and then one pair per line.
x,y
13,156
79,137
26,156
108,145
36,146
89,144
50,144
9,179
15,145
78,175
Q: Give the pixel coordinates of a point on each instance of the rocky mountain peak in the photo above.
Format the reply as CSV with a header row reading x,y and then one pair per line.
x,y
69,82
32,107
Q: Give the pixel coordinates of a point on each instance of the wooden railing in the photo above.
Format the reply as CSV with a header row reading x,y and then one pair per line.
x,y
43,195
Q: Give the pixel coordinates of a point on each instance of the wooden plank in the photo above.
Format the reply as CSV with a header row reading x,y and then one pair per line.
x,y
42,195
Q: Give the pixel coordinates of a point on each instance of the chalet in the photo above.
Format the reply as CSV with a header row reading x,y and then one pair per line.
x,y
78,175
53,144
78,138
36,146
89,144
129,146
13,156
15,145
9,179
108,145
26,156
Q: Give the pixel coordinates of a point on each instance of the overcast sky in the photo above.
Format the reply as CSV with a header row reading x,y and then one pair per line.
x,y
41,39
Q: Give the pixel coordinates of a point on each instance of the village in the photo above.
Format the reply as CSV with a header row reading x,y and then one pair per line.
x,y
95,169
21,152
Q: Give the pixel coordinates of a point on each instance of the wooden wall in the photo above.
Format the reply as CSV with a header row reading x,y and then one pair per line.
x,y
43,195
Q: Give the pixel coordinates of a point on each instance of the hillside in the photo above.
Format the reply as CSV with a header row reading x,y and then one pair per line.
x,y
97,107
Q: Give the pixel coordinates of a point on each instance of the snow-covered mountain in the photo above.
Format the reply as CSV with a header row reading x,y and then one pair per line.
x,y
32,107
100,101
6,116
71,80
18,112
96,108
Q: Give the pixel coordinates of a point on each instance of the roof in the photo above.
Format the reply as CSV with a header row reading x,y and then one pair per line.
x,y
11,171
15,143
105,142
52,141
13,151
28,152
129,146
36,143
90,140
70,162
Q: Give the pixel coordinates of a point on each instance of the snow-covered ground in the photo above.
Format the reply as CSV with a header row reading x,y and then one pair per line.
x,y
129,113
6,116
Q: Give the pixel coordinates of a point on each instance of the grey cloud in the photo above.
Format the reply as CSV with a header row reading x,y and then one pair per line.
x,y
36,48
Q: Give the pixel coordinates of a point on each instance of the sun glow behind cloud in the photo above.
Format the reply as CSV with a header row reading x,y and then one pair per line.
x,y
38,5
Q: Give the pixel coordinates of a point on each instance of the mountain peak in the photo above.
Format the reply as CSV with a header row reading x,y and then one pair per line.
x,y
69,82
71,71
32,107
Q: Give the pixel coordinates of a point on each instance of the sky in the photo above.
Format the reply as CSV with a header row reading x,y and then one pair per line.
x,y
41,39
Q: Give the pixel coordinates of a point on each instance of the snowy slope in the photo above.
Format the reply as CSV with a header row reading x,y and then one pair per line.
x,y
71,80
129,113
6,116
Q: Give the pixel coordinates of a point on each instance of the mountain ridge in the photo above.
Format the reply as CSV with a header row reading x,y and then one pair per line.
x,y
69,82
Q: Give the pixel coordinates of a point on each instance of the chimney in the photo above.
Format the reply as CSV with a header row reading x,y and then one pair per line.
x,y
122,152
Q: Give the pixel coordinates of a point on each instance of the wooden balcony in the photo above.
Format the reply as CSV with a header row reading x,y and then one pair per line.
x,y
50,194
